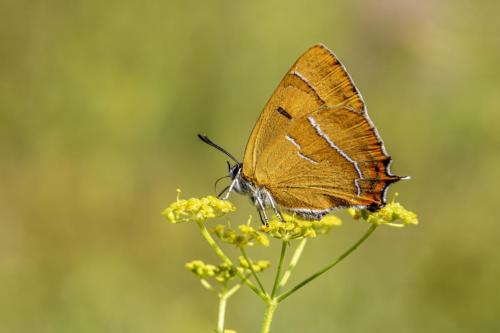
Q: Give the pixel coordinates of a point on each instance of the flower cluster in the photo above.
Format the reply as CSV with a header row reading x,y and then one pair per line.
x,y
221,273
247,235
197,210
257,266
387,215
295,227
224,272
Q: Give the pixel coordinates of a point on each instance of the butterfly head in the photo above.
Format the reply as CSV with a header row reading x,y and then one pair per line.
x,y
238,184
234,170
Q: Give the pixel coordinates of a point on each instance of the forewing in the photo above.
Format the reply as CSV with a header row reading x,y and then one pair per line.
x,y
317,79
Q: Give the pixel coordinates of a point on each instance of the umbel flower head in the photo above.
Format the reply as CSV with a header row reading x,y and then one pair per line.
x,y
221,273
388,215
295,227
224,272
257,266
246,235
197,210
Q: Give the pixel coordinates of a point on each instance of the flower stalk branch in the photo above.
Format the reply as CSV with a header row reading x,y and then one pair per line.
x,y
228,261
251,266
284,246
293,262
325,269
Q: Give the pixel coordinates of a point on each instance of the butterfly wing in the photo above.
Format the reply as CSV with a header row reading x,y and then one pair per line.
x,y
314,147
327,159
316,79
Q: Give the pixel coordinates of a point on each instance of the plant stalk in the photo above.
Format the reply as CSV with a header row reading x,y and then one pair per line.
x,y
228,261
271,305
250,264
293,262
329,266
222,312
280,267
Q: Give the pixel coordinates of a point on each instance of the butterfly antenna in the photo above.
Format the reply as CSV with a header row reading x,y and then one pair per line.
x,y
209,142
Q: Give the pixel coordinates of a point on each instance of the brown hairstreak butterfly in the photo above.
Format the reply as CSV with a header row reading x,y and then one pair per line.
x,y
314,147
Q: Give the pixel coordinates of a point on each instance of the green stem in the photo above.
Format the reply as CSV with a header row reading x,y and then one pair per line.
x,y
250,265
284,245
236,287
228,261
207,285
329,266
233,290
268,316
293,262
222,311
224,295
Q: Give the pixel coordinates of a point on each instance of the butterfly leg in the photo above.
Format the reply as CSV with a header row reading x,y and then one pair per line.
x,y
229,189
278,213
262,220
262,211
222,192
275,209
233,183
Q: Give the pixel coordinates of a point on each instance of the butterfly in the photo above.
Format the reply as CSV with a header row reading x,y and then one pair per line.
x,y
314,148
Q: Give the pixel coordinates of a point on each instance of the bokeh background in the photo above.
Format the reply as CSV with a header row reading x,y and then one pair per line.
x,y
100,104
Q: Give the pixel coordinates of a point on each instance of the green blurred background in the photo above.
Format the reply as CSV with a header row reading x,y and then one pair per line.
x,y
100,104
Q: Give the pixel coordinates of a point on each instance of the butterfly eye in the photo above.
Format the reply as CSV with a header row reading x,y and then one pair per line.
x,y
233,170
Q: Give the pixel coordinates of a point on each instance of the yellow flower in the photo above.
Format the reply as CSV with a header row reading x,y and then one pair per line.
x,y
224,272
200,269
295,227
221,273
247,236
390,213
197,209
257,266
